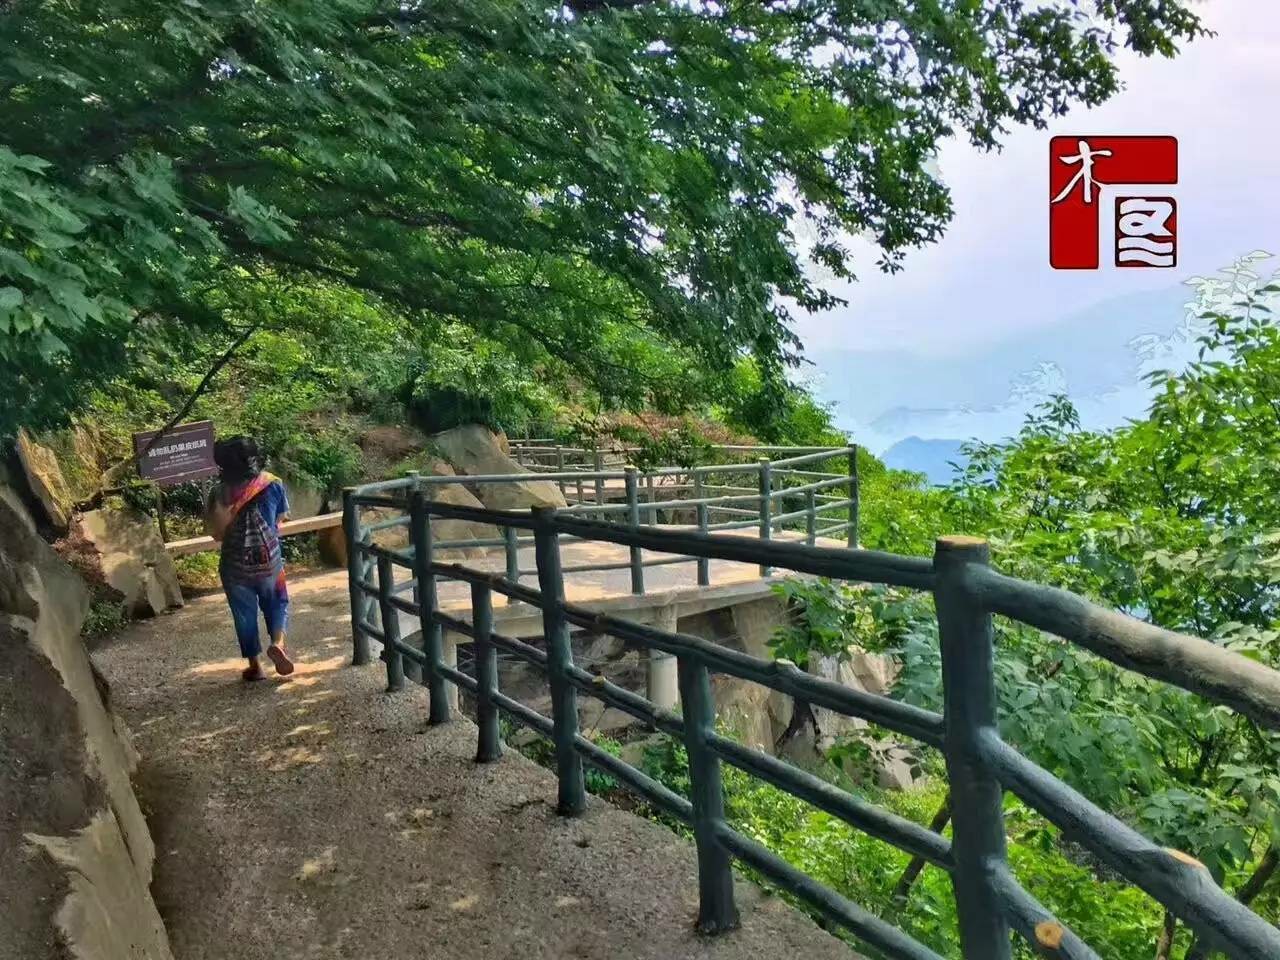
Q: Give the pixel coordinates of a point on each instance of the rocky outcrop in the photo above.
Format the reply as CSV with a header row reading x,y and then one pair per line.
x,y
45,480
305,500
443,530
893,764
477,451
758,715
77,853
132,559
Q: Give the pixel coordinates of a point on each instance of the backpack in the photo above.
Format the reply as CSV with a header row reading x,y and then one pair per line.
x,y
251,546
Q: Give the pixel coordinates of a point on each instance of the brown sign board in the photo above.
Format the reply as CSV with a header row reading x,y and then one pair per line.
x,y
184,452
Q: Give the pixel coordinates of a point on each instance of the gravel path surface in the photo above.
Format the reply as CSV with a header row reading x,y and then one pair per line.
x,y
320,817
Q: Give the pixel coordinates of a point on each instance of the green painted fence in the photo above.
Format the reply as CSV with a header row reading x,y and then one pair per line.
x,y
967,591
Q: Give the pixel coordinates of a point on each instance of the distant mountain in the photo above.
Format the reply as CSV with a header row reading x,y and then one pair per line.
x,y
1095,354
933,458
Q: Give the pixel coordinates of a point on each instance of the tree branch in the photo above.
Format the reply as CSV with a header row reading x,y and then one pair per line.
x,y
939,823
203,385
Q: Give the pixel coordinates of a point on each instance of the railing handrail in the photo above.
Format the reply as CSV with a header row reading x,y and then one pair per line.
x,y
981,766
1196,665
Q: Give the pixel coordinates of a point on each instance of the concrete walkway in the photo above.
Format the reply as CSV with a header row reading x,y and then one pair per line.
x,y
321,818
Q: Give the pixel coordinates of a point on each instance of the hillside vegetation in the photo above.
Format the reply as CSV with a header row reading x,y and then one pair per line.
x,y
310,221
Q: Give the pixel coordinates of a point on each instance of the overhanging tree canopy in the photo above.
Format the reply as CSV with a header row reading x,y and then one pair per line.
x,y
584,180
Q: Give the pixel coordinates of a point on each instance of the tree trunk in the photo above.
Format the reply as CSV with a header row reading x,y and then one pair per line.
x,y
1165,944
937,825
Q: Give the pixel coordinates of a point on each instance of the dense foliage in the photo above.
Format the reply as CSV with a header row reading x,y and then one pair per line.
x,y
1173,519
610,184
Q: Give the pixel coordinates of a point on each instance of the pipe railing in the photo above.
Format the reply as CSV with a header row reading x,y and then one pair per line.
x,y
805,495
990,902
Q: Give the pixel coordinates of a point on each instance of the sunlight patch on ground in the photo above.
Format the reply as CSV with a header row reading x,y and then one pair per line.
x,y
318,866
320,729
278,761
206,737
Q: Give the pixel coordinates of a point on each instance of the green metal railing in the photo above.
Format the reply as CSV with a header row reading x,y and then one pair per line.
x,y
815,504
980,766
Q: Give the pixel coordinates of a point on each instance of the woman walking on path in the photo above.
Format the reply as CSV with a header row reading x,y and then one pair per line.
x,y
243,513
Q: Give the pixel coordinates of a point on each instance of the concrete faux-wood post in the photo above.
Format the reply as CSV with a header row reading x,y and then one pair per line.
x,y
599,468
560,466
633,521
511,547
355,561
662,683
704,565
572,798
853,496
766,506
810,517
969,698
716,909
432,634
390,624
415,484
489,743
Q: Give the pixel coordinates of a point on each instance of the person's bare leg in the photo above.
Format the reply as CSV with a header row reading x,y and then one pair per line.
x,y
253,671
284,666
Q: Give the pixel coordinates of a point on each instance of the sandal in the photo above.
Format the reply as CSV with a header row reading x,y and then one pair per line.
x,y
249,674
284,666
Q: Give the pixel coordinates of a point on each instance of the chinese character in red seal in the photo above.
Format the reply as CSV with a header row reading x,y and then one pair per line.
x,y
1145,227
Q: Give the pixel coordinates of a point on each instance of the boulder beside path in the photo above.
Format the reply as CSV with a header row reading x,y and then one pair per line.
x,y
476,451
132,559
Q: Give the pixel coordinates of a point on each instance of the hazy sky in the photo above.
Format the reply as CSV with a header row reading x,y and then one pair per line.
x,y
989,280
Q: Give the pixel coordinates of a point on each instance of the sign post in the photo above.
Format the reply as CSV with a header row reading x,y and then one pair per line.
x,y
181,453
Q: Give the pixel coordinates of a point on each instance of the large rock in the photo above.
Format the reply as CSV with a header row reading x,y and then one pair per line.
x,y
75,852
893,764
477,451
132,558
858,670
305,500
442,529
756,713
45,479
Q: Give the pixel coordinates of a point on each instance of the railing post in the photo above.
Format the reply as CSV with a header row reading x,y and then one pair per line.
x,y
853,496
599,468
716,909
489,744
414,475
810,517
704,565
969,707
560,466
633,521
511,545
766,506
432,633
572,799
355,573
390,625
653,511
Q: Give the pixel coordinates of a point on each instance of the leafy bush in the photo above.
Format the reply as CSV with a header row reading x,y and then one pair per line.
x,y
198,571
105,617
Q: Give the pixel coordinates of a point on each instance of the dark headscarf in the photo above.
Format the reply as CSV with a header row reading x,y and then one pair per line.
x,y
238,458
